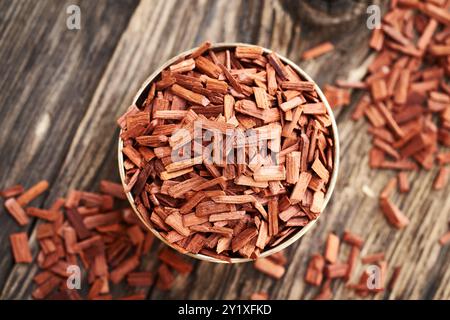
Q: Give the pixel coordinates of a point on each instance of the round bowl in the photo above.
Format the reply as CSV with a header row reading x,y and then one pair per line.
x,y
294,237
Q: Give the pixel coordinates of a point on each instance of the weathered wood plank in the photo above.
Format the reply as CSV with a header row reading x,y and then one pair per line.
x,y
49,74
157,31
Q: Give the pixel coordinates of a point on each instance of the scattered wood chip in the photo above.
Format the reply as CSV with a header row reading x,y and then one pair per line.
x,y
332,248
174,260
16,211
32,193
20,248
373,258
403,182
314,272
12,191
353,239
442,178
393,214
269,268
318,51
394,278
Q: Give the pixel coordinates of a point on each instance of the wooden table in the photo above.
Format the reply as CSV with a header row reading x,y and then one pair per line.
x,y
61,91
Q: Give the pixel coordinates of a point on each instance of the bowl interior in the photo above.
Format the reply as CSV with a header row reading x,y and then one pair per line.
x,y
141,96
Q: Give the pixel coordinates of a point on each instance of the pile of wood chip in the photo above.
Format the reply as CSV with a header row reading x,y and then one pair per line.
x,y
407,98
409,101
323,269
266,172
97,231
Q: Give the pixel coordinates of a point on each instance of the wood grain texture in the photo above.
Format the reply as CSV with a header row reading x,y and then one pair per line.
x,y
49,76
61,92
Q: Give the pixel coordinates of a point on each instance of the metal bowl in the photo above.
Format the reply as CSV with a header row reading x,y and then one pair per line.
x,y
294,237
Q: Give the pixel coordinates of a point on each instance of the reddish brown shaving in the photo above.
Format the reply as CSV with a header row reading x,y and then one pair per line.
x,y
224,188
442,178
318,50
16,211
372,258
332,248
314,272
393,214
394,278
353,239
259,296
337,97
12,191
32,193
269,267
20,248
